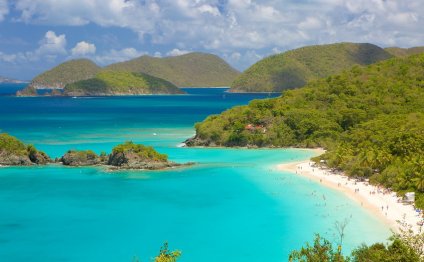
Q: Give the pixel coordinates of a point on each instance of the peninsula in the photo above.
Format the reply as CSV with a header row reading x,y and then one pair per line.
x,y
370,120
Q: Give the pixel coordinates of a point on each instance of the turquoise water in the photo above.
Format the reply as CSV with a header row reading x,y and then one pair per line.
x,y
232,205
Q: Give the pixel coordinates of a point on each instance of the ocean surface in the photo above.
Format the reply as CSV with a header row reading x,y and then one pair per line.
x,y
231,206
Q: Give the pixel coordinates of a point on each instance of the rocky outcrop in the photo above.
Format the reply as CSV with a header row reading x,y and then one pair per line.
x,y
7,159
124,156
82,158
196,141
39,158
15,153
132,160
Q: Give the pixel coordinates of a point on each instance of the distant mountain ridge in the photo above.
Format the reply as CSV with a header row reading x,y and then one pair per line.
x,y
403,52
189,70
294,68
10,80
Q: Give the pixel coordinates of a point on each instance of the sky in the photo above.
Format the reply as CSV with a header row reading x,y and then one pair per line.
x,y
36,35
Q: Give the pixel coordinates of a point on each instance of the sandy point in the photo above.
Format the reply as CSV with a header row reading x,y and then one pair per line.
x,y
385,205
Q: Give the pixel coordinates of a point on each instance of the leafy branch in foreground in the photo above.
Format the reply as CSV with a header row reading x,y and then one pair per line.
x,y
165,255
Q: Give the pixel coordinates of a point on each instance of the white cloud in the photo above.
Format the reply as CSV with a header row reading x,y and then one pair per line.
x,y
4,9
177,52
113,56
239,24
9,58
53,44
235,26
50,47
83,48
244,60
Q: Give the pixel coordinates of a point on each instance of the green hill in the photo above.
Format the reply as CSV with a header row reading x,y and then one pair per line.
x,y
403,52
109,82
190,70
61,75
370,119
295,68
65,73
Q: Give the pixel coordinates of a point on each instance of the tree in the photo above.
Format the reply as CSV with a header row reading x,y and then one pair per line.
x,y
321,251
165,255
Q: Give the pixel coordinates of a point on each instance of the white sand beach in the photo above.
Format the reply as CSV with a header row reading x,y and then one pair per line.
x,y
382,203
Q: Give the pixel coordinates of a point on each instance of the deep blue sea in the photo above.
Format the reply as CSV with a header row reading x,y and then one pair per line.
x,y
231,206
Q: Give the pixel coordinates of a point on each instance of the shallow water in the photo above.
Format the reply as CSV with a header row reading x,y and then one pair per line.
x,y
231,205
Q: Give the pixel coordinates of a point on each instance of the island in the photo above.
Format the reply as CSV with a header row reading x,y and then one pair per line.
x,y
142,75
15,153
128,155
110,82
124,156
8,80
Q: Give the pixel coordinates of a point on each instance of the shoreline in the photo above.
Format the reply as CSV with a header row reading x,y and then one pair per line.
x,y
381,204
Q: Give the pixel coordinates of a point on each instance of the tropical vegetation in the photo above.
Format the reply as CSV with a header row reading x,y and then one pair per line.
x,y
400,249
109,82
15,152
189,70
370,119
404,52
65,73
297,67
144,152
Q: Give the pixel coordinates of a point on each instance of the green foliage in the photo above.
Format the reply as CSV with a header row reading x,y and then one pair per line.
x,y
14,152
82,155
403,247
120,82
370,120
321,251
13,146
295,68
145,152
397,251
404,52
190,70
165,255
65,73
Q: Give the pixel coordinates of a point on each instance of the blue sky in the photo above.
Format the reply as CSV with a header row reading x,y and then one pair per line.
x,y
36,35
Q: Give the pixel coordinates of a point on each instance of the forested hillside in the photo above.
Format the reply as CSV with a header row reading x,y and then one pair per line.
x,y
295,68
189,70
371,120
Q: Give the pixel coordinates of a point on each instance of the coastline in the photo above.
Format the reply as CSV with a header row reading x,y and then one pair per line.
x,y
384,206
